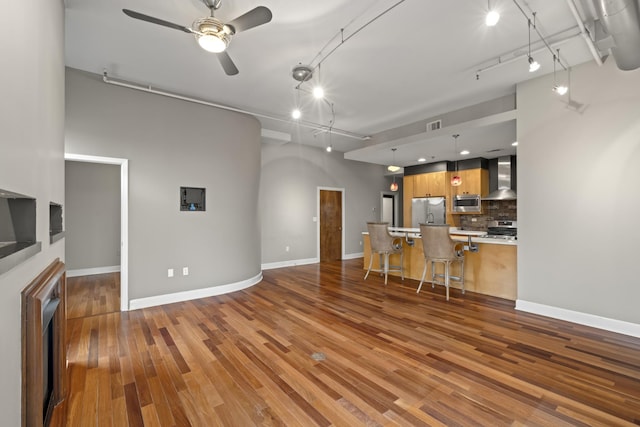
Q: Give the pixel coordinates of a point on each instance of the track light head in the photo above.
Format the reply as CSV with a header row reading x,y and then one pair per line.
x,y
533,65
492,18
560,89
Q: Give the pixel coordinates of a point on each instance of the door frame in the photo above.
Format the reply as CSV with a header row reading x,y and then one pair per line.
x,y
317,217
124,217
396,206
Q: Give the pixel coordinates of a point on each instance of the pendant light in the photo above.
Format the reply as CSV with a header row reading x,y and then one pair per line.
x,y
456,180
392,168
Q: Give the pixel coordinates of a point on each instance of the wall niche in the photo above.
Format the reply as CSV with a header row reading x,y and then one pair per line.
x,y
17,229
56,227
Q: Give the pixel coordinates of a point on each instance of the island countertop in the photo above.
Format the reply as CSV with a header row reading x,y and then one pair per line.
x,y
492,270
457,234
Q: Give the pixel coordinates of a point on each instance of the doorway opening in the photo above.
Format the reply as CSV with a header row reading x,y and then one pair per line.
x,y
330,224
389,211
124,217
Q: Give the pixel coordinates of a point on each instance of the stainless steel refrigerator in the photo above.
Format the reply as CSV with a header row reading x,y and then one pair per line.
x,y
428,210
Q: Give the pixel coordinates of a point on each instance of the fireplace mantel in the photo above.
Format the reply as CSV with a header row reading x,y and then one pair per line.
x,y
48,287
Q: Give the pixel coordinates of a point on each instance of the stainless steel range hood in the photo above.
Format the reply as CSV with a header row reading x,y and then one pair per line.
x,y
504,191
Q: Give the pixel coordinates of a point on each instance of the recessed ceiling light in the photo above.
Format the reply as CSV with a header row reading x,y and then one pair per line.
x,y
422,159
515,143
464,152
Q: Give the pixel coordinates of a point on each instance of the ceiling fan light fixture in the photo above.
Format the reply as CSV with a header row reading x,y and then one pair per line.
x,y
211,43
213,35
318,92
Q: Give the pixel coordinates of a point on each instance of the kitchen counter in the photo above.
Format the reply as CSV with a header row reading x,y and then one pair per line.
x,y
456,234
490,271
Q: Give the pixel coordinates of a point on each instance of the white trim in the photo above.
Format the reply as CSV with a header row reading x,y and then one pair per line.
x,y
343,209
92,271
612,325
354,256
153,301
124,217
290,263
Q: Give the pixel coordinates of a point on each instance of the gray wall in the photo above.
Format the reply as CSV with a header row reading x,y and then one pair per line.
x,y
172,143
32,159
291,175
92,215
578,176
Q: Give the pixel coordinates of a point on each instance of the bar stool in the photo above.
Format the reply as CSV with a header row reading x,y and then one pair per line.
x,y
438,246
384,244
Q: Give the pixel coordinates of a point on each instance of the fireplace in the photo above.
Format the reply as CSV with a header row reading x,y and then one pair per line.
x,y
43,345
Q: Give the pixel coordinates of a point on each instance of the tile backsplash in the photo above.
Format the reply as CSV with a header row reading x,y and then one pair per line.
x,y
492,210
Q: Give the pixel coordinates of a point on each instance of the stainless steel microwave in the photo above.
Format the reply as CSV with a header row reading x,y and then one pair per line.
x,y
466,203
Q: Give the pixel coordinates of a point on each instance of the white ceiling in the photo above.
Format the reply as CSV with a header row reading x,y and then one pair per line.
x,y
416,61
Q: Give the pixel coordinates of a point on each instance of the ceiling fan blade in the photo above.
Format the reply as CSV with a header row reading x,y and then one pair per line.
x,y
227,63
153,20
258,16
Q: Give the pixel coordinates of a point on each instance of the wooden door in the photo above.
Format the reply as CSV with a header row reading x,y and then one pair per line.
x,y
330,225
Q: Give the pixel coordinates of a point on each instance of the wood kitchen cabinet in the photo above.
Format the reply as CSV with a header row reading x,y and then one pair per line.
x,y
430,184
407,189
474,181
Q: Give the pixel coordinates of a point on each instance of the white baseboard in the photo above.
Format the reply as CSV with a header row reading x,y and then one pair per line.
x,y
92,271
294,262
290,263
354,256
612,325
135,304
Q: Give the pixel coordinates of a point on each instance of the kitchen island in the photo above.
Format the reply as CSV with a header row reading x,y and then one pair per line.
x,y
490,271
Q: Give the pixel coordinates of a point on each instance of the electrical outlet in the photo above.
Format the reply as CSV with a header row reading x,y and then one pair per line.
x,y
286,248
185,271
170,272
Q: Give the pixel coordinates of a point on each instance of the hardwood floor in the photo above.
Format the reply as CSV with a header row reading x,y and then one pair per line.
x,y
92,295
317,345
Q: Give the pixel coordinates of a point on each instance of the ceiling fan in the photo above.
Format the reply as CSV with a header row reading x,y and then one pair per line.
x,y
212,34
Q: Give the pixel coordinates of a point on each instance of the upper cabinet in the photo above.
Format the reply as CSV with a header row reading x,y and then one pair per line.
x,y
473,181
430,184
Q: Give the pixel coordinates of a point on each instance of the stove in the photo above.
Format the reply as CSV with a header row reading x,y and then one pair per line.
x,y
502,229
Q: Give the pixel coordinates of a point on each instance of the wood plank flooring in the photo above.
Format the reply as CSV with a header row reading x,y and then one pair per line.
x,y
317,345
92,295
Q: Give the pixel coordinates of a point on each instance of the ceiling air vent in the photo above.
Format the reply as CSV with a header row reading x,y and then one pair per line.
x,y
435,125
